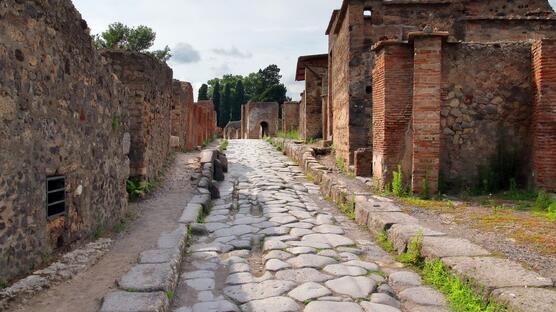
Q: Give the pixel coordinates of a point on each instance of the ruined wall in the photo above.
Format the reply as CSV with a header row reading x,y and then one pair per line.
x,y
392,110
290,116
182,94
506,29
150,85
259,113
232,130
311,110
485,112
63,113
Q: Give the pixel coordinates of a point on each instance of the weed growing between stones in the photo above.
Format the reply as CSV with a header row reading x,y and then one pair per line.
x,y
342,166
290,135
398,188
311,141
348,207
384,242
413,255
138,189
223,145
461,296
169,294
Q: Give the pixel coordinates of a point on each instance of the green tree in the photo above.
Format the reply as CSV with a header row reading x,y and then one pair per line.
x,y
137,39
216,100
203,93
226,105
239,99
275,93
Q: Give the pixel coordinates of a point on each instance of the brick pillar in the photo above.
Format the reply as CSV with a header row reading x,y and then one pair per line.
x,y
392,108
427,80
544,114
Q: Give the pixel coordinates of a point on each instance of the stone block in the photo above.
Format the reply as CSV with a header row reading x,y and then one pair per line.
x,y
121,301
380,221
401,234
440,247
363,162
173,240
191,213
218,171
155,256
520,299
491,273
149,278
208,156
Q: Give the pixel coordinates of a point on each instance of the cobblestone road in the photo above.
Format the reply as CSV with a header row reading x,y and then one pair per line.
x,y
274,245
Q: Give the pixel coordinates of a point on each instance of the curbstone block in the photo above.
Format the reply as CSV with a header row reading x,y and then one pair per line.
x,y
122,301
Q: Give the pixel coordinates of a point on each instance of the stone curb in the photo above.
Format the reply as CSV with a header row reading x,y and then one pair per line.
x,y
505,280
145,287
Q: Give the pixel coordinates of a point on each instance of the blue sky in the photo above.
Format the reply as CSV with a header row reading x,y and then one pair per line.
x,y
210,38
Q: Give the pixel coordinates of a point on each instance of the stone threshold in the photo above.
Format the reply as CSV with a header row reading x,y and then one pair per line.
x,y
506,281
150,284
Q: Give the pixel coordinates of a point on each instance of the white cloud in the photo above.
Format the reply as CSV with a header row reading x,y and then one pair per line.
x,y
184,53
232,52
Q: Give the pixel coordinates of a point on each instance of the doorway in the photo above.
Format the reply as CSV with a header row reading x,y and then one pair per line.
x,y
264,130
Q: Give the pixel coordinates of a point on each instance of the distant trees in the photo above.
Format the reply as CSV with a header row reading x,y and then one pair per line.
x,y
138,39
261,86
203,93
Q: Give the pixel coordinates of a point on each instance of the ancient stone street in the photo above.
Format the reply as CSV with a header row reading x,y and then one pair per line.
x,y
274,244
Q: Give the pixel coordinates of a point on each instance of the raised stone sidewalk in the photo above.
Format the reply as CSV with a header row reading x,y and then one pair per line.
x,y
508,282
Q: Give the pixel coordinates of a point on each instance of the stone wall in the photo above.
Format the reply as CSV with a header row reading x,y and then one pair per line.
x,y
62,113
182,99
311,110
150,86
260,116
485,112
232,131
290,116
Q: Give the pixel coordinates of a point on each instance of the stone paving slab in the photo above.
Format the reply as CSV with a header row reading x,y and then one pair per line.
x,y
381,221
441,247
401,234
190,213
522,299
149,278
492,273
122,301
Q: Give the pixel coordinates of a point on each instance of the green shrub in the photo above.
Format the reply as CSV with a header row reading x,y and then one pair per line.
x,y
223,145
543,200
138,189
413,254
397,182
290,135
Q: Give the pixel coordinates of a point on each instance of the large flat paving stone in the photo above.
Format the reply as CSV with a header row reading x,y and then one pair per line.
x,y
377,307
333,240
355,287
255,291
441,247
380,221
401,234
422,296
527,299
273,304
404,279
494,273
122,301
344,270
303,275
149,278
191,213
310,290
331,306
310,261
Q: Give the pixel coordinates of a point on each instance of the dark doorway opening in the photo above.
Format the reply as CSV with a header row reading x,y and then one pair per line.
x,y
264,129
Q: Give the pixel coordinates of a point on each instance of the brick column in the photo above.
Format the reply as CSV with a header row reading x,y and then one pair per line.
x,y
392,108
544,114
427,80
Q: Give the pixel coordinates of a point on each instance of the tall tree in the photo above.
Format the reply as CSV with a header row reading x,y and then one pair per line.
x,y
203,93
239,99
216,100
226,105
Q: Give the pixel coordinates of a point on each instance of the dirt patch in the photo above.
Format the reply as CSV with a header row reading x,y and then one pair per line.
x,y
156,214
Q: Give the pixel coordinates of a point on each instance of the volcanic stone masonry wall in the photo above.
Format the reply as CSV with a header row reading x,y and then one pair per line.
x,y
62,113
150,84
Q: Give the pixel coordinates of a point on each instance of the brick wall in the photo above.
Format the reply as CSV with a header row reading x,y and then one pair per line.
x,y
427,83
311,110
392,109
180,102
150,85
290,116
544,114
258,113
63,113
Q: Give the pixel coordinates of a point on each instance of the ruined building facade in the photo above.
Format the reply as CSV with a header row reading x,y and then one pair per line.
x,y
442,88
313,70
75,124
259,119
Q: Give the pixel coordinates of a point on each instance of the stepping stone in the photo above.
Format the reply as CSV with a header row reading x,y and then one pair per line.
x,y
302,275
310,261
255,291
220,306
330,306
404,279
355,287
441,247
494,273
385,299
376,307
344,270
274,304
423,296
276,265
148,278
309,291
527,299
123,301
333,240
369,266
328,229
